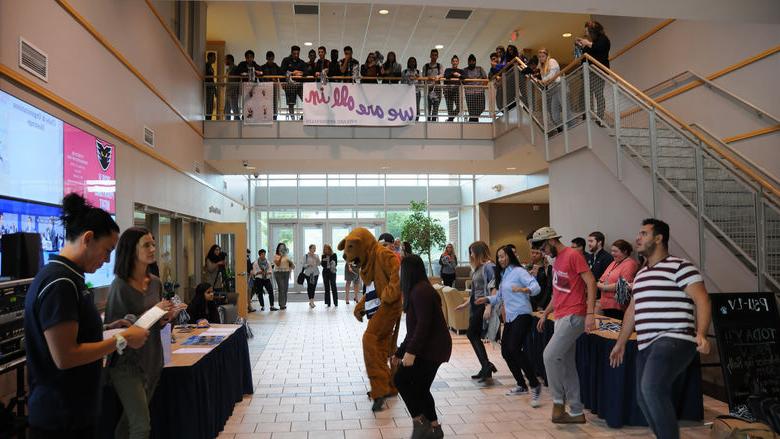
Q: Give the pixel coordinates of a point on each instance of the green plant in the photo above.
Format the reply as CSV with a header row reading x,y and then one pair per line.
x,y
422,231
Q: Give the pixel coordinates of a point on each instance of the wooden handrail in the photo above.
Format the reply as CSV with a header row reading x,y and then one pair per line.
x,y
642,38
175,39
382,78
767,186
751,134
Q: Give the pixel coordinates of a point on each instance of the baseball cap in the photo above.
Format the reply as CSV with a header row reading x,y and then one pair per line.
x,y
544,234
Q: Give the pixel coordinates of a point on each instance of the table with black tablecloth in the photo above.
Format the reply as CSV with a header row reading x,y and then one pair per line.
x,y
197,392
610,392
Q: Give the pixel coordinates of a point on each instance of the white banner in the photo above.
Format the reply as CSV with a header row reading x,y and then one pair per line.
x,y
258,102
337,104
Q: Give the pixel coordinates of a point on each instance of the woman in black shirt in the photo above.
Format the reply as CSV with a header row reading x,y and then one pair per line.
x,y
63,330
203,306
596,45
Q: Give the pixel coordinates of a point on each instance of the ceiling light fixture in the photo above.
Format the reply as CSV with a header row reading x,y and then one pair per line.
x,y
308,43
439,46
383,12
567,35
511,169
384,167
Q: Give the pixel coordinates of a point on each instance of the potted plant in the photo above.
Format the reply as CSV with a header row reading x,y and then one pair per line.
x,y
422,231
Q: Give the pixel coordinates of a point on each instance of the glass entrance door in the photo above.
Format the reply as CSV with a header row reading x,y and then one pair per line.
x,y
337,233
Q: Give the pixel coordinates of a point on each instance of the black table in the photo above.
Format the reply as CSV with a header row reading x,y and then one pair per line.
x,y
610,392
195,401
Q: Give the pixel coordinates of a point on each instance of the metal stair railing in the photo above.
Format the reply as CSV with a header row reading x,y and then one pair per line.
x,y
737,201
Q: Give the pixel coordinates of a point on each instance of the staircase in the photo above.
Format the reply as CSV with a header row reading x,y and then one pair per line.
x,y
732,199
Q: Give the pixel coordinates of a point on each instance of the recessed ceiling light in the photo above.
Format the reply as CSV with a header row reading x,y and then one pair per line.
x,y
308,43
567,35
511,169
385,167
439,46
383,12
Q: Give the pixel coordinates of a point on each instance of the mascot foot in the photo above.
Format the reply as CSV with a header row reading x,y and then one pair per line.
x,y
379,404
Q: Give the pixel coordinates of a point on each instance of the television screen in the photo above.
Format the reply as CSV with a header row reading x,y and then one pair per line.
x,y
30,152
89,168
44,219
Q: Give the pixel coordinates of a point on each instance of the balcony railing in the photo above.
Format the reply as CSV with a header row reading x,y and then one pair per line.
x,y
438,100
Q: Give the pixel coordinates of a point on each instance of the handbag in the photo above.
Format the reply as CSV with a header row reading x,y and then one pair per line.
x,y
301,277
622,292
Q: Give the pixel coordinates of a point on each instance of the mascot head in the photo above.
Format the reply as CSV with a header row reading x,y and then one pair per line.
x,y
357,245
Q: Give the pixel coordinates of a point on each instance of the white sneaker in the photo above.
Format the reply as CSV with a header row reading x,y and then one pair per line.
x,y
519,390
312,305
536,396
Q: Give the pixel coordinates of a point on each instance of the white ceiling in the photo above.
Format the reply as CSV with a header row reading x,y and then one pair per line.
x,y
409,30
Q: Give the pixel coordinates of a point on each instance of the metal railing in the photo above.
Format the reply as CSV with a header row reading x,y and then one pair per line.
x,y
730,197
438,100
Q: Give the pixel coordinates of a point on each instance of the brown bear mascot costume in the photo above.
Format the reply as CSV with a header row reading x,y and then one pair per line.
x,y
378,266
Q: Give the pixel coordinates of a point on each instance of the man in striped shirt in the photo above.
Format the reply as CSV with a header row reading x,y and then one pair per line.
x,y
671,311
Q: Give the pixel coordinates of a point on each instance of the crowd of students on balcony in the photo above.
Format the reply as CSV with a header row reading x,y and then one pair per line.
x,y
441,82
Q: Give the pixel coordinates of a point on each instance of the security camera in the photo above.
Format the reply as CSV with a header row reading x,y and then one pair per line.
x,y
255,174
245,163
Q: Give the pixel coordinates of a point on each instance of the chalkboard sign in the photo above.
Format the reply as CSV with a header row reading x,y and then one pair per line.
x,y
747,328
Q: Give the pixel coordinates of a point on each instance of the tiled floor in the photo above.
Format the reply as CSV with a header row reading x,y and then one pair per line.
x,y
310,384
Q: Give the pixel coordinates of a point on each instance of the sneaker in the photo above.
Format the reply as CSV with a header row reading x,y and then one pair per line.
x,y
519,390
274,309
312,305
262,308
536,395
570,419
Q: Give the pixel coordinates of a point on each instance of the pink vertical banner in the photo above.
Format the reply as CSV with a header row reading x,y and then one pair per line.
x,y
88,168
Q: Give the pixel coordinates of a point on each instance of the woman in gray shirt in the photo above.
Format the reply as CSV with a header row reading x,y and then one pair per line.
x,y
448,261
134,372
311,268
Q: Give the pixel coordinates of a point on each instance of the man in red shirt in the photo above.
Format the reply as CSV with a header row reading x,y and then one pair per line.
x,y
573,315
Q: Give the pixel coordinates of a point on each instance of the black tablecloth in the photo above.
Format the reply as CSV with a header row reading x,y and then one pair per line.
x,y
611,393
196,401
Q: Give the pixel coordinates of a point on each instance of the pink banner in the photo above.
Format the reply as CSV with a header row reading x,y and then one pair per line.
x,y
89,167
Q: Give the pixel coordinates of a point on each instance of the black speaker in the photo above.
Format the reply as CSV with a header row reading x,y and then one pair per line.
x,y
22,255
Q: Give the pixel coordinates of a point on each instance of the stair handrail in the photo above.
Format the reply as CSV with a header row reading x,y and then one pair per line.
x,y
738,155
766,185
675,81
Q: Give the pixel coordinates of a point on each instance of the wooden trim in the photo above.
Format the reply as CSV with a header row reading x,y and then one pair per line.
x,y
176,41
768,187
642,37
719,73
215,43
23,81
751,134
118,55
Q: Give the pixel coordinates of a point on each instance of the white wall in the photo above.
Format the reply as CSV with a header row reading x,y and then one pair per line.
x,y
510,185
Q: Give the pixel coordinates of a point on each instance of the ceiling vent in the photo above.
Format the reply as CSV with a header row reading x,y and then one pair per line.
x,y
458,14
33,60
149,137
306,9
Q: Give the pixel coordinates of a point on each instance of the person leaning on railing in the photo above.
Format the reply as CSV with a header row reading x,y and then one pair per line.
x,y
596,45
433,71
453,79
232,89
391,69
474,91
347,65
294,67
549,68
371,70
409,76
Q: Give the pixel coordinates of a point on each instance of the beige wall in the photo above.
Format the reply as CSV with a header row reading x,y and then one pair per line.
x,y
85,73
511,223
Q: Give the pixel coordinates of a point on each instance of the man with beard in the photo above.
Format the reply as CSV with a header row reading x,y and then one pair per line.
x,y
573,315
666,293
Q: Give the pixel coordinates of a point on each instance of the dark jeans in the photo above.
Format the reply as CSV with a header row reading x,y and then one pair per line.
x,y
475,102
474,334
232,91
257,288
211,94
658,366
448,279
311,285
452,99
613,313
597,88
513,349
37,433
414,385
291,91
329,279
434,99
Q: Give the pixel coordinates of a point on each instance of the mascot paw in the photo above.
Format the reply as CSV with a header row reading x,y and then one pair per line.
x,y
358,315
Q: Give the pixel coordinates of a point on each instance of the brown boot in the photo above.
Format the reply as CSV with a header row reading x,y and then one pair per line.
x,y
559,410
569,419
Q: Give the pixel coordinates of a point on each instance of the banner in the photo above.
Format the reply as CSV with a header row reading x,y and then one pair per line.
x,y
258,102
89,168
337,104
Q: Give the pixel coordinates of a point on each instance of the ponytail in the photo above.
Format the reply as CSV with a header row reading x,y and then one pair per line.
x,y
79,217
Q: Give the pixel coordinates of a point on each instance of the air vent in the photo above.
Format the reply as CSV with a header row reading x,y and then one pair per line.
x,y
458,14
149,137
33,60
306,9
